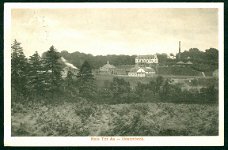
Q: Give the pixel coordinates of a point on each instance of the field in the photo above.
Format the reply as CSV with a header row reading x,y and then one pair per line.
x,y
105,80
83,118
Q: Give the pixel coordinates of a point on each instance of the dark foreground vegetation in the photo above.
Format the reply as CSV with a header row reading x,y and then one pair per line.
x,y
83,118
43,103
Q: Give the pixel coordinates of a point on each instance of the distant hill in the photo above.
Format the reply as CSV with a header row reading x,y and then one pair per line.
x,y
77,59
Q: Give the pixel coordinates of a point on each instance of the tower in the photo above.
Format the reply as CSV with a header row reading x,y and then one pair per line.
x,y
179,55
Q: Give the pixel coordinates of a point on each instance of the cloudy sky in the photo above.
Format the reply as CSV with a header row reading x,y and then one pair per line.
x,y
101,31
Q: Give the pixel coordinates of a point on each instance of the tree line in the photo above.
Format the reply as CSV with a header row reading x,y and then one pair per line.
x,y
205,61
39,77
157,90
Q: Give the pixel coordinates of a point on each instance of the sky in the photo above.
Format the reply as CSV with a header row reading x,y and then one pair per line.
x,y
102,31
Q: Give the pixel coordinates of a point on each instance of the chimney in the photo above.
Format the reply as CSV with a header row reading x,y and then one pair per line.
x,y
179,50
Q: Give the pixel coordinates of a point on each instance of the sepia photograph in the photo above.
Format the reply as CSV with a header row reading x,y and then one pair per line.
x,y
113,73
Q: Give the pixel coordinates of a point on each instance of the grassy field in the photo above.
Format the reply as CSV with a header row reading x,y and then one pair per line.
x,y
104,80
101,79
83,118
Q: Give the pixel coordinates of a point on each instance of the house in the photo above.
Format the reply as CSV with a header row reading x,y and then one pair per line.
x,y
68,67
146,59
141,72
107,69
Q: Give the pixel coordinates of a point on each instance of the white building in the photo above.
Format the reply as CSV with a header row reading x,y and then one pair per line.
x,y
68,67
141,72
146,59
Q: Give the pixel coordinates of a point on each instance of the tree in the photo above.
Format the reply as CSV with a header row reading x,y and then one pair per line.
x,y
69,87
158,83
53,69
19,68
212,54
140,88
120,88
152,87
86,81
162,58
170,92
36,77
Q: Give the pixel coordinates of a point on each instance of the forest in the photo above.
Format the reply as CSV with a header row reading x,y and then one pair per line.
x,y
37,86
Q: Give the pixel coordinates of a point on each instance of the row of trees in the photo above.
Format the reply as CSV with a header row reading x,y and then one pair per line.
x,y
38,76
158,90
35,75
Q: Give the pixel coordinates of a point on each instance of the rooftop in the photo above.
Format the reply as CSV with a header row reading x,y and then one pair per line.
x,y
146,56
108,66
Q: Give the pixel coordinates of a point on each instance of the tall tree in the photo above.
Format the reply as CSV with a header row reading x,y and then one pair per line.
x,y
86,81
36,74
53,69
158,83
69,85
119,87
19,68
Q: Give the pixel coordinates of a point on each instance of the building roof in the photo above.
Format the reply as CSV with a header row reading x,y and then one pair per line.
x,y
189,62
135,69
149,69
68,64
108,66
142,69
180,62
146,56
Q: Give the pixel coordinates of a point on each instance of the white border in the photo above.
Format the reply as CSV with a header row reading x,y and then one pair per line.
x,y
85,141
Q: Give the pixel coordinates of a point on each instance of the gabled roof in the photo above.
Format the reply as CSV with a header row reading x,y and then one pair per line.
x,y
189,62
108,66
149,69
135,69
180,62
67,63
146,57
142,69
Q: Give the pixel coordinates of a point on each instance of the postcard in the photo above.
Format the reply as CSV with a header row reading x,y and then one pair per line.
x,y
113,74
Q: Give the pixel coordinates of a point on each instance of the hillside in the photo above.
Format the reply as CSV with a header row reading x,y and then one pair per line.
x,y
176,70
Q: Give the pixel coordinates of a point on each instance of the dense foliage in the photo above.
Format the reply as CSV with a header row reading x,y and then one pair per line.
x,y
78,59
82,118
86,82
19,69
